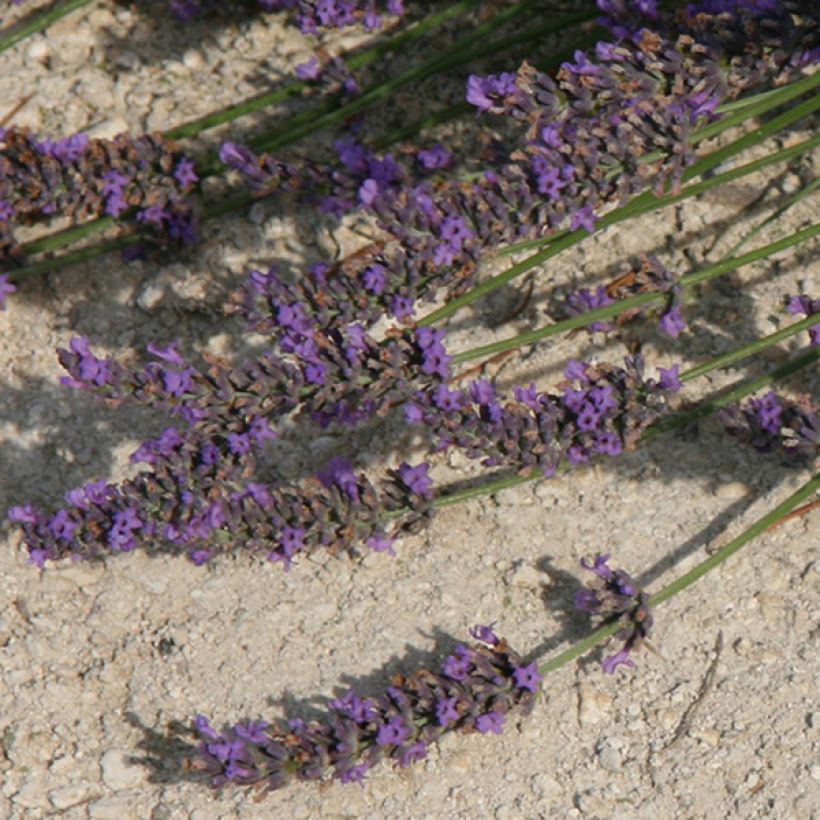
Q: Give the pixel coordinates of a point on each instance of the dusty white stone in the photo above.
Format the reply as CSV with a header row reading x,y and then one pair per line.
x,y
193,59
527,576
150,296
731,490
118,772
66,796
594,706
116,807
39,50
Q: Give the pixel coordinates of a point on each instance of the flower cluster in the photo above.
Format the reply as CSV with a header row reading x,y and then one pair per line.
x,y
341,376
312,16
649,276
790,427
805,305
603,410
613,596
201,501
476,689
588,144
81,177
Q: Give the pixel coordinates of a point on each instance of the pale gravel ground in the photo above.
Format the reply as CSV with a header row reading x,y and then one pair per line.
x,y
100,663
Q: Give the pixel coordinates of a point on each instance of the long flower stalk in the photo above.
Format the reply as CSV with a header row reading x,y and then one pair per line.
x,y
475,690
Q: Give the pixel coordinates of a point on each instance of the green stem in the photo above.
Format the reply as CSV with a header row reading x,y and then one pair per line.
x,y
750,349
610,311
35,23
695,574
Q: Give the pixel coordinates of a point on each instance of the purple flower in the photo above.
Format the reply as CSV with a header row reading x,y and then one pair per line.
x,y
527,677
583,218
447,711
669,379
393,733
672,322
413,753
491,722
358,732
6,289
457,667
808,307
378,543
6,211
416,479
433,158
613,596
375,279
485,634
310,70
339,473
621,658
185,173
487,93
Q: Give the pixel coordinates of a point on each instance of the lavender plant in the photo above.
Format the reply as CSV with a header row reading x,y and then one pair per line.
x,y
613,124
79,177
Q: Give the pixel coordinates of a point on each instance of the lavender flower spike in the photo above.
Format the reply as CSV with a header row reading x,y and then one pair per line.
x,y
399,725
613,596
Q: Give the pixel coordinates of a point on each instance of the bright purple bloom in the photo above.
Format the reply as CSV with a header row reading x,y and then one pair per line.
x,y
527,677
446,711
672,322
485,634
416,478
393,733
491,722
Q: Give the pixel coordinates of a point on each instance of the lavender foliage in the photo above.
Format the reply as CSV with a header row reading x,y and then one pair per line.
x,y
81,177
587,143
611,596
776,424
475,690
602,410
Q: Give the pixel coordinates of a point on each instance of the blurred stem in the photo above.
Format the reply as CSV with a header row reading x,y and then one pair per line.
x,y
448,59
610,311
354,61
35,22
695,574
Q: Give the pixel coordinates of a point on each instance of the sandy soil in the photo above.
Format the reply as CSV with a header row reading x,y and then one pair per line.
x,y
104,666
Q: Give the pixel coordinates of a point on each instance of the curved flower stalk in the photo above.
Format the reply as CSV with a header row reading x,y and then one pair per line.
x,y
476,689
613,596
612,124
311,16
80,177
774,423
